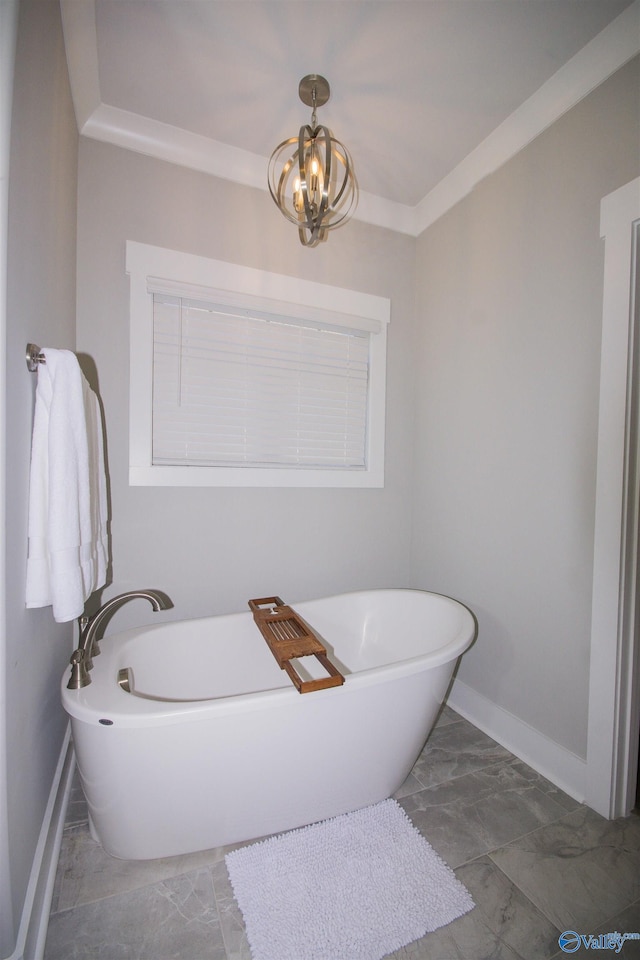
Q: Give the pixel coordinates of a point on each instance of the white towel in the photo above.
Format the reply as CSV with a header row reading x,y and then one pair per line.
x,y
68,546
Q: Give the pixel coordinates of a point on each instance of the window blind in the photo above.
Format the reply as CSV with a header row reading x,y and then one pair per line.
x,y
231,388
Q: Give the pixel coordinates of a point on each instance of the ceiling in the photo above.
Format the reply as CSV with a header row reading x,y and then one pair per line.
x,y
417,86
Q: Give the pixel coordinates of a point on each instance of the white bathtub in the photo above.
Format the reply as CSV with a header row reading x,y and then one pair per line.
x,y
215,745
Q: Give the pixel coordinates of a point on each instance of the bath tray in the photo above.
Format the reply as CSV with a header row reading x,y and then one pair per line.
x,y
289,638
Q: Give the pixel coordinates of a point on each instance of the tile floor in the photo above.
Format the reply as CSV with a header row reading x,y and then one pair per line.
x,y
536,863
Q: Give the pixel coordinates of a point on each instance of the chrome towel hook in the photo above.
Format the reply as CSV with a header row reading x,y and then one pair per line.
x,y
33,357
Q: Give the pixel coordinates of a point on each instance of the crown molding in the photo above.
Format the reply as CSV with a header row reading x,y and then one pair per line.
x,y
175,145
614,46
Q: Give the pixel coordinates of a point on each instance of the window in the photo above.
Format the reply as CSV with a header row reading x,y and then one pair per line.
x,y
245,378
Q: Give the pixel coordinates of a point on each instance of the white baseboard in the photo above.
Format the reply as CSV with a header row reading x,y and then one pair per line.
x,y
559,765
37,904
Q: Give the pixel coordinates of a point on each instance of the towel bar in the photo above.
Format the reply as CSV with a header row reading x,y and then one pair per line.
x,y
33,357
289,638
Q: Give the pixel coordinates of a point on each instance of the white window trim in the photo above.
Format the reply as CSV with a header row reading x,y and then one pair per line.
x,y
148,265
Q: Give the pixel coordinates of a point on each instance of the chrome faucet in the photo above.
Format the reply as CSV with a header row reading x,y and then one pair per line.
x,y
82,658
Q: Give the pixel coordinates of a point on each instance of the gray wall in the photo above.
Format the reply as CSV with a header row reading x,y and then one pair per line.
x,y
40,308
213,549
509,308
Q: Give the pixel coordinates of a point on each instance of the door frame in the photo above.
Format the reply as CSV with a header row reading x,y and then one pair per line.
x,y
614,690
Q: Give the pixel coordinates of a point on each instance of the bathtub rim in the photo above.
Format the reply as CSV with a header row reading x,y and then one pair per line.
x,y
125,710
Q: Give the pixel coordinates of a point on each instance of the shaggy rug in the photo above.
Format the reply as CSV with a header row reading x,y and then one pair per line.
x,y
356,887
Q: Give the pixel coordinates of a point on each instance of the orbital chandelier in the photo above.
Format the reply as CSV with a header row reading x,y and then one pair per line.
x,y
311,176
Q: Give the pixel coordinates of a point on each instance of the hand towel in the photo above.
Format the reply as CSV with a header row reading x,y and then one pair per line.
x,y
68,540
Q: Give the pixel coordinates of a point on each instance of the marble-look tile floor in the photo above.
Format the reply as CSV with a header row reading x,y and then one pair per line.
x,y
536,863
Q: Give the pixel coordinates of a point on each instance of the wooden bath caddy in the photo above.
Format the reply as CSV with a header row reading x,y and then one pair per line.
x,y
289,637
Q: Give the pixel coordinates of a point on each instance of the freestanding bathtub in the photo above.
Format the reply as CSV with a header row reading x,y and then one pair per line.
x,y
213,744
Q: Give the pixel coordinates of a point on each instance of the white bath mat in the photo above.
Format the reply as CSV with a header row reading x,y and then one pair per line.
x,y
356,887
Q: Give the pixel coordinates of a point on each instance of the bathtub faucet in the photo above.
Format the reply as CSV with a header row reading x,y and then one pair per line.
x,y
82,658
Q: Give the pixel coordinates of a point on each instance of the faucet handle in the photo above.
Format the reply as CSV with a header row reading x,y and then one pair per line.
x,y
79,674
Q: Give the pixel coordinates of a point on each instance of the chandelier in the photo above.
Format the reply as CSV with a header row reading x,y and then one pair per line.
x,y
311,176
